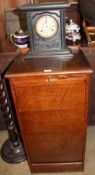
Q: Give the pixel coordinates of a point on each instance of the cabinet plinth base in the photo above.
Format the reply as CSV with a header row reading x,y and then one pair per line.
x,y
12,154
57,167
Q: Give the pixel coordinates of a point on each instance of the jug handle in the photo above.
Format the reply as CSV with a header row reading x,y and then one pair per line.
x,y
11,36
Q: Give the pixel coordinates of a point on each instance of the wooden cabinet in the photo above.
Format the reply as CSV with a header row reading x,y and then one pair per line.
x,y
52,111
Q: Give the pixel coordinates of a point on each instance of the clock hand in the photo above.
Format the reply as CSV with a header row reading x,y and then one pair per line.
x,y
46,23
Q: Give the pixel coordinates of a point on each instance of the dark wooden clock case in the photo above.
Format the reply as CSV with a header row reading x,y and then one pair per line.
x,y
54,46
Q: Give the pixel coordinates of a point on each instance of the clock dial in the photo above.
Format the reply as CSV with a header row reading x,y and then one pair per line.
x,y
46,26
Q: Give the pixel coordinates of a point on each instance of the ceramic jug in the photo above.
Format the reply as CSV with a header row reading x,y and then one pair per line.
x,y
20,39
72,32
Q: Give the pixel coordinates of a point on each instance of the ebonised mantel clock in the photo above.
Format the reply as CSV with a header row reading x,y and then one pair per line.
x,y
46,27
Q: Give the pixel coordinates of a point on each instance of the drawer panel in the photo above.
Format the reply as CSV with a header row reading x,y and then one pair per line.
x,y
50,95
37,79
49,122
49,148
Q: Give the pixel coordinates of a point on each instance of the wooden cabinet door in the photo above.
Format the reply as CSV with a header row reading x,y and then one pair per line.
x,y
51,114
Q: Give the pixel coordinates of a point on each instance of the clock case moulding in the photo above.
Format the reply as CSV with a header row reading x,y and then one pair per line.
x,y
54,46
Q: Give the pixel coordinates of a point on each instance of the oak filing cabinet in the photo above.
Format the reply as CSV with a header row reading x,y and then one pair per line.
x,y
51,101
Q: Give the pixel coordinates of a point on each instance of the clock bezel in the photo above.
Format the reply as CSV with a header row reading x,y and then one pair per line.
x,y
41,34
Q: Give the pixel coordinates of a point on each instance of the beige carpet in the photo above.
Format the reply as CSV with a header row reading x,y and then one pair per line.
x,y
23,169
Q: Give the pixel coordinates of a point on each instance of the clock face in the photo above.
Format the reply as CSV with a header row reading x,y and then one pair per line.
x,y
46,26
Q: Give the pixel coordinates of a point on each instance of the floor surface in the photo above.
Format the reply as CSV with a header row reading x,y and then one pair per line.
x,y
23,169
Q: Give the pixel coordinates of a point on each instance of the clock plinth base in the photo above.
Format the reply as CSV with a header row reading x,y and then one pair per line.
x,y
64,54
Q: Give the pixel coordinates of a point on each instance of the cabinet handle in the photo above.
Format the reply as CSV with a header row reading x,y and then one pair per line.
x,y
63,77
57,78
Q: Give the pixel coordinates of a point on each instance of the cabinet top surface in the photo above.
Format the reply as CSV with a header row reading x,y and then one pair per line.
x,y
46,66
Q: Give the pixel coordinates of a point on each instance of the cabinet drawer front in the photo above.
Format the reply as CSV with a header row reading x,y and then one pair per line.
x,y
48,122
50,95
49,148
